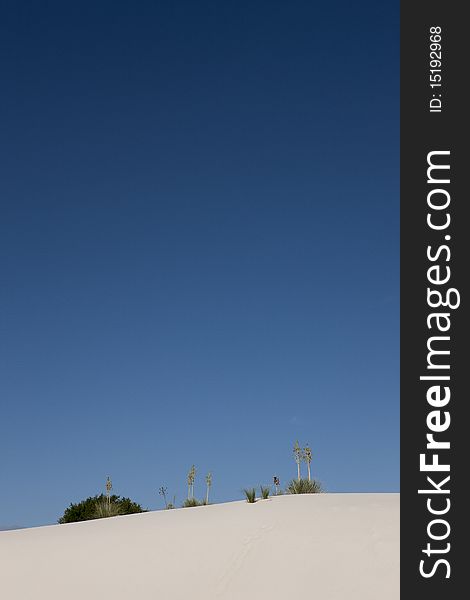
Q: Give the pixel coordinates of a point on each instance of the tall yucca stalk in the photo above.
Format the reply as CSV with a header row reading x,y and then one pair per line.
x,y
298,458
191,478
307,456
162,491
208,486
189,483
109,487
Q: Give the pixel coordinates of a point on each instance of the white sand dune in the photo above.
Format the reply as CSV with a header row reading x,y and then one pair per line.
x,y
325,546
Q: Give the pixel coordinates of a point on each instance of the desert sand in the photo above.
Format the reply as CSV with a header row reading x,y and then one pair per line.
x,y
323,546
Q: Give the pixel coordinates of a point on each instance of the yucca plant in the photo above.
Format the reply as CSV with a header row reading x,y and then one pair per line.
x,y
250,494
304,486
105,508
191,502
265,490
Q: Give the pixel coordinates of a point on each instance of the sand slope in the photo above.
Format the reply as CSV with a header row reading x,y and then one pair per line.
x,y
326,546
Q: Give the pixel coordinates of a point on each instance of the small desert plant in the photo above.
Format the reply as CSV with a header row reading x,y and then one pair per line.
x,y
105,508
265,490
168,505
162,491
304,486
191,502
250,495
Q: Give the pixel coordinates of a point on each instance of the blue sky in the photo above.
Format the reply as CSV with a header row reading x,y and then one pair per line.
x,y
199,241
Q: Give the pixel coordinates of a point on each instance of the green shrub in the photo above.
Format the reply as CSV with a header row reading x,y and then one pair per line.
x,y
265,490
87,509
250,494
304,486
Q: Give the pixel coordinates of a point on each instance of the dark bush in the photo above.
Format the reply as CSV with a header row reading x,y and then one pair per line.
x,y
87,509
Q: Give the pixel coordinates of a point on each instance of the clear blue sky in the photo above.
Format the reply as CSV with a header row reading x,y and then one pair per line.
x,y
199,248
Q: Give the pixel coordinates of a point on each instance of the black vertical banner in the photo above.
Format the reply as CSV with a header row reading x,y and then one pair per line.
x,y
435,252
